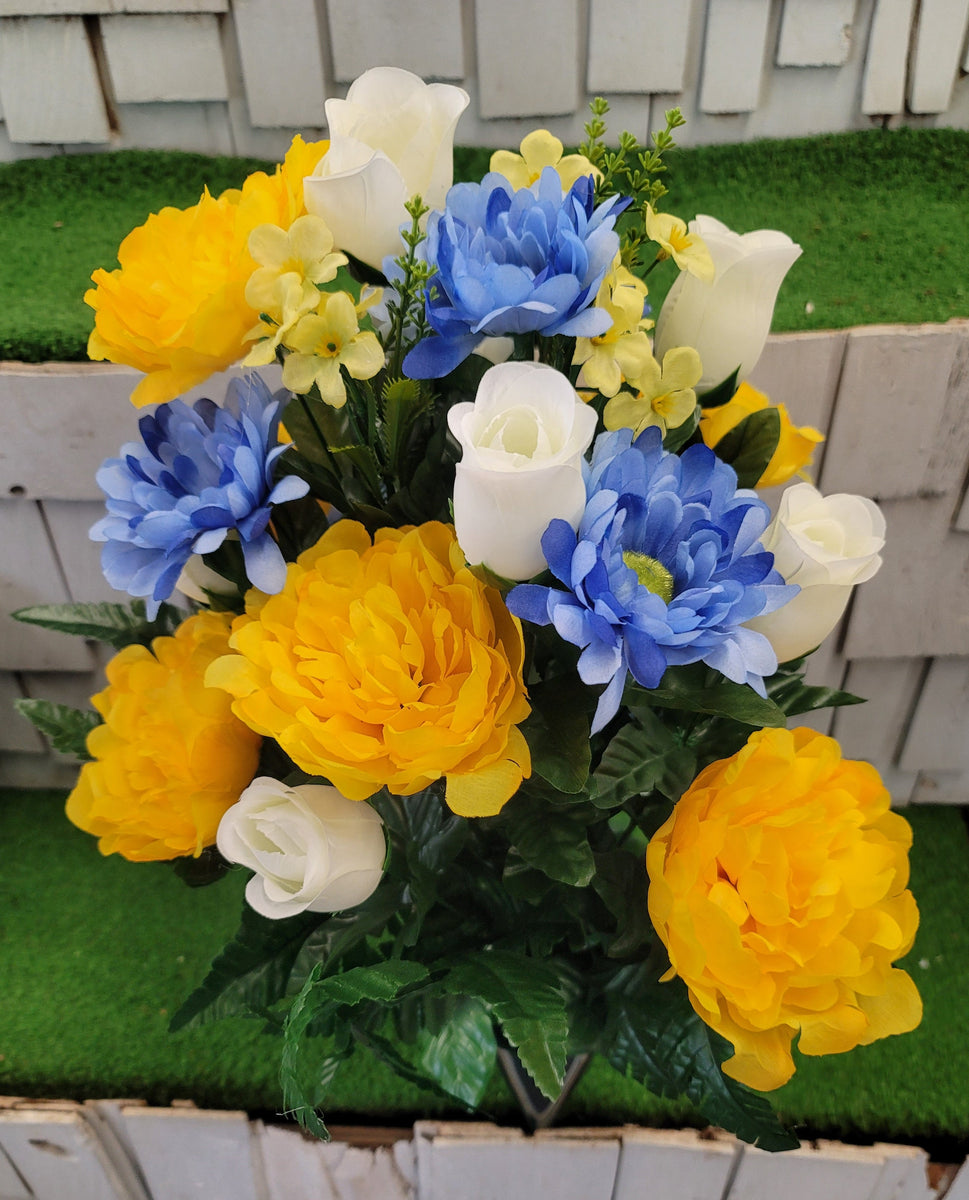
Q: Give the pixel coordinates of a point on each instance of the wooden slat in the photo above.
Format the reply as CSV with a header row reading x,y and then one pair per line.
x,y
423,36
294,1166
942,787
618,30
69,523
733,55
833,1171
815,33
939,735
50,8
12,1187
939,38
49,83
272,51
365,1174
199,126
874,730
915,606
550,84
673,1162
885,367
164,57
58,1155
886,62
16,732
801,371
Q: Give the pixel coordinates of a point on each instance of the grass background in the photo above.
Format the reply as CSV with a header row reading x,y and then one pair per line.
x,y
880,216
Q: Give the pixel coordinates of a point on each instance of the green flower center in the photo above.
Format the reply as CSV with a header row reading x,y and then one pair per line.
x,y
651,574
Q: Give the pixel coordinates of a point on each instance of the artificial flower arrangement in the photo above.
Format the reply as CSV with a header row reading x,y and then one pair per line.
x,y
493,644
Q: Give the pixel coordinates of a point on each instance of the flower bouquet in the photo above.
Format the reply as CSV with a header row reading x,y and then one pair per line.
x,y
493,645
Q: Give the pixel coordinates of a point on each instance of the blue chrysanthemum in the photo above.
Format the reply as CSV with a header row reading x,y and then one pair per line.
x,y
665,569
507,262
198,473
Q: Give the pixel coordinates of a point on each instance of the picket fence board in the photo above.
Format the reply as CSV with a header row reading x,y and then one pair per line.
x,y
550,85
80,558
875,730
12,1186
58,1155
49,83
674,1163
618,30
16,732
834,1172
939,38
815,33
423,36
801,371
940,729
959,1188
733,55
364,1173
886,65
282,63
104,1117
293,1165
164,57
904,1175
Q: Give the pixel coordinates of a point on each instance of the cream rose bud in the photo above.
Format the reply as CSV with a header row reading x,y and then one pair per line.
x,y
311,848
727,321
824,544
391,138
522,443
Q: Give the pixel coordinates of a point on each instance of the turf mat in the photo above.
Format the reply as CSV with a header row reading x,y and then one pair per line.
x,y
97,952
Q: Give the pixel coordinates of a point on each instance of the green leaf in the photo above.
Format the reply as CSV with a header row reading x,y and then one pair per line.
x,y
208,867
722,393
678,437
117,624
622,883
526,998
403,402
555,840
699,689
461,1056
557,732
64,727
365,473
637,762
750,445
791,694
251,973
657,1038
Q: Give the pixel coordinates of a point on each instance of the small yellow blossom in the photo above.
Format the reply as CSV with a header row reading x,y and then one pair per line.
x,y
794,447
290,297
664,394
688,250
324,341
541,149
623,350
305,249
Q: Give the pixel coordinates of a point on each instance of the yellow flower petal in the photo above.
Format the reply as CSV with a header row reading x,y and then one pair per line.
x,y
794,449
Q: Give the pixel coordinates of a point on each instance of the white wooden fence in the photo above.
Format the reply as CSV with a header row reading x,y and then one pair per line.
x,y
894,401
238,76
119,1150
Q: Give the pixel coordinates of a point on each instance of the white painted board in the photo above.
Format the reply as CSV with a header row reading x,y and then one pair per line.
x,y
618,32
58,1155
939,38
734,51
423,36
883,91
550,84
164,57
816,33
276,47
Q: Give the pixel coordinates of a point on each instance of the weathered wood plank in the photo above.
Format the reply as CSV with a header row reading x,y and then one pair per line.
x,y
294,1166
904,1175
164,57
874,730
550,85
69,523
833,1171
49,83
801,371
618,30
364,1173
734,52
199,126
939,36
57,1154
886,63
16,734
815,33
423,36
941,787
939,735
12,1187
673,1162
273,51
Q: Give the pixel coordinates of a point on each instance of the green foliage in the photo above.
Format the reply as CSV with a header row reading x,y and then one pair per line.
x,y
554,842
460,1055
722,393
118,625
750,445
66,728
557,732
700,689
645,755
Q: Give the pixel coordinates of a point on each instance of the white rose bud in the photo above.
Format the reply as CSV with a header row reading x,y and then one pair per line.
x,y
727,321
522,440
311,848
391,138
826,545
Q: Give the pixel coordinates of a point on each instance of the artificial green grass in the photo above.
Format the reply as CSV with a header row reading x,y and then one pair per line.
x,y
97,953
880,216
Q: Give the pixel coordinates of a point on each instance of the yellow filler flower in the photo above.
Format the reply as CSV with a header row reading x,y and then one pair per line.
x,y
779,887
170,758
623,350
324,341
176,308
664,394
541,149
794,447
688,250
386,664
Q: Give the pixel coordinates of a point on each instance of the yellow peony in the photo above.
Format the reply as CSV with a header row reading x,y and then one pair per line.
x,y
170,757
386,664
778,886
176,307
794,449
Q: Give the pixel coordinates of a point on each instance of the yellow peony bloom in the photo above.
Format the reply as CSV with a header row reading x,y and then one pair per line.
x,y
623,350
794,449
386,664
779,887
170,757
541,149
688,250
176,307
324,341
664,394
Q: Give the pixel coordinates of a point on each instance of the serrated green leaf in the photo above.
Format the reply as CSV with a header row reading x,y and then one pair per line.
x,y
557,732
657,1038
461,1056
118,625
750,445
526,998
635,764
791,694
699,689
403,401
621,880
64,727
722,393
555,840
